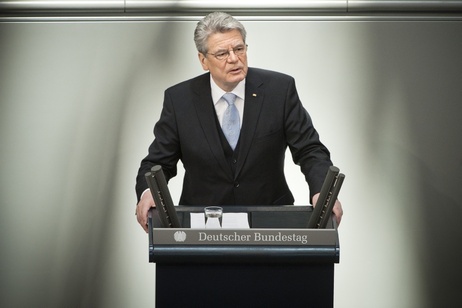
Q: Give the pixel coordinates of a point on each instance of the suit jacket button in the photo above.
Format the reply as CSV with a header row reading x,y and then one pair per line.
x,y
234,161
236,184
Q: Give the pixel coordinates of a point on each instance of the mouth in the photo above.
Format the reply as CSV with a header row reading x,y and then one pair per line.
x,y
236,70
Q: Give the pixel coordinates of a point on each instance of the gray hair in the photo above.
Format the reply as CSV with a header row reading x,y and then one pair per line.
x,y
214,23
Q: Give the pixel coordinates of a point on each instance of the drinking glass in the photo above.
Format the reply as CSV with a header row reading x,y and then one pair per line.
x,y
213,216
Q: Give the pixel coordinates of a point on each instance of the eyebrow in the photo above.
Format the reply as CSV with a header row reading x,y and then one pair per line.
x,y
224,50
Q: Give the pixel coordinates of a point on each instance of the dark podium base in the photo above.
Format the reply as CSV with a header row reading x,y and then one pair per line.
x,y
238,285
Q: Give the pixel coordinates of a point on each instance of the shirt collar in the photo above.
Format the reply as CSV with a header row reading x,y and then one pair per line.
x,y
217,92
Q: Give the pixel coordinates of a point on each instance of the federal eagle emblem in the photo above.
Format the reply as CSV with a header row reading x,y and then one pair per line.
x,y
179,236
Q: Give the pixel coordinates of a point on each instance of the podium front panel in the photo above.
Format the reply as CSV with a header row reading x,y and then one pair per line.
x,y
278,262
291,244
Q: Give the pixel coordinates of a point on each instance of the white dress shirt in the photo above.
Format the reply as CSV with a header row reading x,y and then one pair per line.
x,y
221,105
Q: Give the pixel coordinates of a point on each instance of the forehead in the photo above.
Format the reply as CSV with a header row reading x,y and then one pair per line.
x,y
224,40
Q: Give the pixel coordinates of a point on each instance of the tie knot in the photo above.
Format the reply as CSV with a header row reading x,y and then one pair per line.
x,y
229,98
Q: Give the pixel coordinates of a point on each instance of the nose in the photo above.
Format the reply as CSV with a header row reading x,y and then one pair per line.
x,y
232,56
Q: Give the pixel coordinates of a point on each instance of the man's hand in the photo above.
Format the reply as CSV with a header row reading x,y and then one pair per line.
x,y
142,208
337,210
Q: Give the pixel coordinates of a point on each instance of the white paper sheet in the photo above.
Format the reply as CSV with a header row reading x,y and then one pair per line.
x,y
197,220
235,221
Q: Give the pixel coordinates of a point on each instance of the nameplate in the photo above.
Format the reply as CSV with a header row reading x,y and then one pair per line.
x,y
251,237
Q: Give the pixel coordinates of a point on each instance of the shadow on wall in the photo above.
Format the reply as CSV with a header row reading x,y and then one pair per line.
x,y
85,289
428,105
63,102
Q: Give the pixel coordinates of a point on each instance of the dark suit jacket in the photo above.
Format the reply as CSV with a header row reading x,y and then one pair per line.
x,y
274,118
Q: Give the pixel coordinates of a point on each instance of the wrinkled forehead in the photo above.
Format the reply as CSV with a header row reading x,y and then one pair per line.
x,y
224,40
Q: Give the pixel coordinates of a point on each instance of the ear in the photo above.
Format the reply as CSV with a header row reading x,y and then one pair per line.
x,y
203,60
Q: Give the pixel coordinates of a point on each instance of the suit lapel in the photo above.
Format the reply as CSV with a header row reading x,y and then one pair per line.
x,y
206,114
252,107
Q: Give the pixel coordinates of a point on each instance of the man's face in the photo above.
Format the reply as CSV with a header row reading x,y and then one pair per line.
x,y
229,72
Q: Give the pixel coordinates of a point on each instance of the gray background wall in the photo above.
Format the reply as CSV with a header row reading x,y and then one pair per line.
x,y
78,101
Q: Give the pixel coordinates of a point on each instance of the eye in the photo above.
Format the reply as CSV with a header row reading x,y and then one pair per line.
x,y
221,53
239,49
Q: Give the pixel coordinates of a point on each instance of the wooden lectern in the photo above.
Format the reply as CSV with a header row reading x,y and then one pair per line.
x,y
278,262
